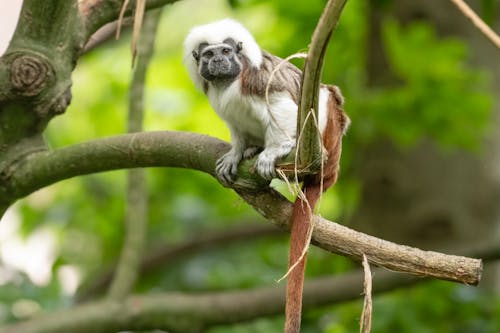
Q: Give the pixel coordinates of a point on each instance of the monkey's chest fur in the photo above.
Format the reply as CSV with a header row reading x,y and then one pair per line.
x,y
250,116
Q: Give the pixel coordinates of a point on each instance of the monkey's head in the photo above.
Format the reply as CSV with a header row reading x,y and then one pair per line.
x,y
217,52
219,62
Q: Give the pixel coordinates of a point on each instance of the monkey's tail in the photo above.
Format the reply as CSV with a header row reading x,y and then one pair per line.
x,y
303,209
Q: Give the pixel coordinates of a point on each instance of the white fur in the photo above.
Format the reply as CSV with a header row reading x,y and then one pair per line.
x,y
215,33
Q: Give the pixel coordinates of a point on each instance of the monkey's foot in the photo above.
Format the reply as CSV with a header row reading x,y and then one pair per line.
x,y
266,162
227,166
251,152
265,166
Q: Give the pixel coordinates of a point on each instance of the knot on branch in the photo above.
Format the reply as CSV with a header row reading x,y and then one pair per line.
x,y
62,102
29,74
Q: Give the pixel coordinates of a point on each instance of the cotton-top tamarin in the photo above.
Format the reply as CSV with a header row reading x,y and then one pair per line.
x,y
225,62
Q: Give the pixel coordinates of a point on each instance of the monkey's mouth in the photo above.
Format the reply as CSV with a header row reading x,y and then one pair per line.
x,y
219,69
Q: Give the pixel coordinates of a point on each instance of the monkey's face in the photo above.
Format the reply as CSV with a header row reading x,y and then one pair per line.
x,y
219,62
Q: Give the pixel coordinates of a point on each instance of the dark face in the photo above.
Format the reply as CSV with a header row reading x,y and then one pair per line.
x,y
219,63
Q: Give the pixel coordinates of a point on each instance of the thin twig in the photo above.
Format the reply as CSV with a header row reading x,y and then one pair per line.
x,y
366,317
478,22
120,19
138,17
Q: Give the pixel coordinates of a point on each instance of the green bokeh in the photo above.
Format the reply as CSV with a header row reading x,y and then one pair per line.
x,y
435,95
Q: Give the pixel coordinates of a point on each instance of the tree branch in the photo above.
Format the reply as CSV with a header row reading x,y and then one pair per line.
x,y
105,33
97,13
177,312
136,216
309,151
199,152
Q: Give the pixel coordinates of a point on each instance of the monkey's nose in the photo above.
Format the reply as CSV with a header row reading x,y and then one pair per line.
x,y
218,59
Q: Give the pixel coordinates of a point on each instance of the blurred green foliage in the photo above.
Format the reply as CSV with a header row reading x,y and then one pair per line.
x,y
444,99
434,94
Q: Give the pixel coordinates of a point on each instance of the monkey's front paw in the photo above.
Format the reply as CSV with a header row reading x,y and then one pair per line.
x,y
227,167
265,166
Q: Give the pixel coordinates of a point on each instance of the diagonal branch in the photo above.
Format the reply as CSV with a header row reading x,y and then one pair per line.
x,y
199,152
478,22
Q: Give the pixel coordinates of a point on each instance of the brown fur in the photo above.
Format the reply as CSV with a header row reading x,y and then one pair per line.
x,y
286,78
336,125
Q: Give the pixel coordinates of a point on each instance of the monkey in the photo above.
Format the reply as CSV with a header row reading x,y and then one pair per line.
x,y
260,108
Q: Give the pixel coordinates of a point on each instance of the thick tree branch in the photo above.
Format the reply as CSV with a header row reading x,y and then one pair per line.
x,y
309,151
146,149
194,151
136,214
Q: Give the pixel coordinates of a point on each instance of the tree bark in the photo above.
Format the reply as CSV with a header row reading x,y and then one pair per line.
x,y
194,151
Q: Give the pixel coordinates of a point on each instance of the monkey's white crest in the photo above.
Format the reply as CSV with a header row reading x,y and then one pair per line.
x,y
214,33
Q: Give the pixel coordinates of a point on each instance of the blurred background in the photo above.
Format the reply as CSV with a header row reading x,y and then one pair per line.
x,y
420,166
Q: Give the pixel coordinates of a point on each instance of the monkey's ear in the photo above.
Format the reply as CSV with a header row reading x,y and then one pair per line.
x,y
239,47
196,56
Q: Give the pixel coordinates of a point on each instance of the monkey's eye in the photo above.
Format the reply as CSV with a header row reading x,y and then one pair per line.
x,y
208,54
226,51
